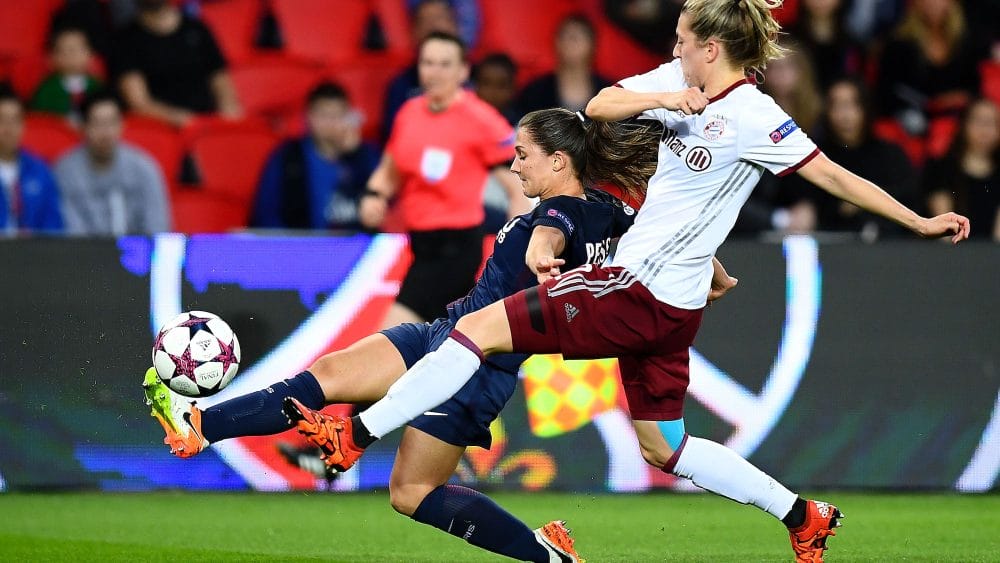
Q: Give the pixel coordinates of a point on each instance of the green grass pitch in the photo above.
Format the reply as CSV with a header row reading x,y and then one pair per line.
x,y
176,526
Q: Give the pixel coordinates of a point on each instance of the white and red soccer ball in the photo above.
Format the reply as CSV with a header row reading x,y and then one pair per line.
x,y
196,354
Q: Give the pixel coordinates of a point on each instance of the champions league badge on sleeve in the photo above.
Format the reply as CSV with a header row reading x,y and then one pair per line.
x,y
786,129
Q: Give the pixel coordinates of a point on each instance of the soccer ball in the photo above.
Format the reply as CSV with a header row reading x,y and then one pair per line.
x,y
196,354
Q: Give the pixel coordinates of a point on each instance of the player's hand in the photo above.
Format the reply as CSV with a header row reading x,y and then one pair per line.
x,y
945,224
547,267
371,211
720,287
690,101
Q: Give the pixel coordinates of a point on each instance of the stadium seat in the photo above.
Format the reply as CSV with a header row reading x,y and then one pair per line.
x,y
26,72
230,162
989,72
162,141
23,26
940,133
618,55
234,24
196,211
312,29
48,136
890,130
274,85
395,22
520,29
365,82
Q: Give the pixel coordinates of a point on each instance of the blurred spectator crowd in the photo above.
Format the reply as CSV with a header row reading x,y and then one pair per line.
x,y
142,116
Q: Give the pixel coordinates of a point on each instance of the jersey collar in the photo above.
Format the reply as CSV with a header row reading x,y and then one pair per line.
x,y
732,87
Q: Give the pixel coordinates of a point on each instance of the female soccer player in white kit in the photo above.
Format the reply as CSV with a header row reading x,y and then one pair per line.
x,y
720,134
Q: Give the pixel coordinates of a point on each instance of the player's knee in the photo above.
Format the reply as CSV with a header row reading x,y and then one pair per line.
x,y
327,373
406,498
481,328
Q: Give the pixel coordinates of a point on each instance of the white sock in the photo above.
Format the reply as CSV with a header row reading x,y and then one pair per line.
x,y
430,382
718,469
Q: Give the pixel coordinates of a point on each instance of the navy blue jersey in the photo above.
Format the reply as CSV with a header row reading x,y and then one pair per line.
x,y
588,224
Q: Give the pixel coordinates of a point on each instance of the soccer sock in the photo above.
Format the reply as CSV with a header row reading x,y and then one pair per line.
x,y
722,471
259,413
430,382
797,515
474,517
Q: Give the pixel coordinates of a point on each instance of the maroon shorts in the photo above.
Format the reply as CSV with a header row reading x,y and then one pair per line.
x,y
593,312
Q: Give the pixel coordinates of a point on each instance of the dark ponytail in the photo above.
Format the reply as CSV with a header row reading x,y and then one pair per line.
x,y
622,153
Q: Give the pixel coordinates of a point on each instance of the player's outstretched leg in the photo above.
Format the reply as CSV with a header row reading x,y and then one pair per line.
x,y
809,539
180,418
330,433
556,539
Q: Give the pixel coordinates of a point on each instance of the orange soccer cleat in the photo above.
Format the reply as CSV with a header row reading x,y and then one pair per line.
x,y
329,433
555,537
809,539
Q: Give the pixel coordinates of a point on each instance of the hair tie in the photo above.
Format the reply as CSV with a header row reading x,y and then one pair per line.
x,y
583,118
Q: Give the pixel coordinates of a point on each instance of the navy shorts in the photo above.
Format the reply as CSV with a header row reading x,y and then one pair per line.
x,y
464,420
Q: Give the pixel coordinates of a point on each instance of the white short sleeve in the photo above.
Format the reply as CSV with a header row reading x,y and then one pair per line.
x,y
667,77
772,139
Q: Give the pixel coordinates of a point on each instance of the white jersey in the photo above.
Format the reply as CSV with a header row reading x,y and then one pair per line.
x,y
708,165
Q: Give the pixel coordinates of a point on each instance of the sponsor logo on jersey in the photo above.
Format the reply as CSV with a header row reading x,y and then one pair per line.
x,y
597,252
715,128
628,209
698,159
670,140
786,129
562,217
506,229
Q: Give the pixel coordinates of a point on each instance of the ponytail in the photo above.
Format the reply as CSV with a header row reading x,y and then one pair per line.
x,y
622,153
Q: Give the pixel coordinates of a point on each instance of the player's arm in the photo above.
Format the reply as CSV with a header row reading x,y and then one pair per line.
x,y
382,186
517,203
722,282
615,103
840,182
546,243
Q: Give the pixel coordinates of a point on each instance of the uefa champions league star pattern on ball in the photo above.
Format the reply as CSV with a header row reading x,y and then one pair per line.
x,y
196,354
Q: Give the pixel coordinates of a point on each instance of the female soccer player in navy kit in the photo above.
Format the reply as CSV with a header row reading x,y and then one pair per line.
x,y
570,226
720,134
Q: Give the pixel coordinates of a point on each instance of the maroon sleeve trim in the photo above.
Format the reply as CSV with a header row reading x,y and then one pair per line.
x,y
801,163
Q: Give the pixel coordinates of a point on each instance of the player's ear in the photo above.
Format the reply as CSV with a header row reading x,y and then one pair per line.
x,y
559,161
712,49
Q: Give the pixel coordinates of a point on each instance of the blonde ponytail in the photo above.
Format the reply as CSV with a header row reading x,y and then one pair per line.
x,y
746,29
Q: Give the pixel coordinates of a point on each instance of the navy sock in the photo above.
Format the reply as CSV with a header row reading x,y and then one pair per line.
x,y
472,516
259,413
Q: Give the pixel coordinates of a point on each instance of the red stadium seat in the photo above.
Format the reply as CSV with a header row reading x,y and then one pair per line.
x,y
940,133
195,211
395,21
618,55
315,30
162,141
234,24
23,26
230,162
48,136
523,31
989,71
270,86
890,130
365,83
